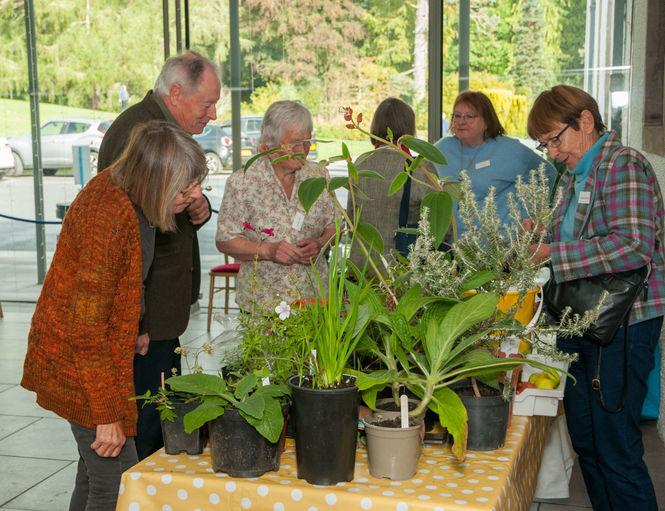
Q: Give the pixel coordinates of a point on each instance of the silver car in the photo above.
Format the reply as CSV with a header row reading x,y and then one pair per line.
x,y
6,159
57,138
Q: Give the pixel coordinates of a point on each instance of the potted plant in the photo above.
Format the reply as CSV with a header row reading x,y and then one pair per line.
x,y
173,406
325,400
245,405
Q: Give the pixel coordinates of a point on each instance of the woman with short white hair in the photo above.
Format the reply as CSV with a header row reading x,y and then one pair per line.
x,y
261,218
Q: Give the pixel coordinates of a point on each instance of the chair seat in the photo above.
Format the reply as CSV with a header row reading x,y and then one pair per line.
x,y
232,267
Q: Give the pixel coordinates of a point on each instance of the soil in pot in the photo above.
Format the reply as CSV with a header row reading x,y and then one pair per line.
x,y
393,451
238,449
488,416
176,440
326,425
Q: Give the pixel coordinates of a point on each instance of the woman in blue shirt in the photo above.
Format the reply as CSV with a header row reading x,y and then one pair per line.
x,y
490,159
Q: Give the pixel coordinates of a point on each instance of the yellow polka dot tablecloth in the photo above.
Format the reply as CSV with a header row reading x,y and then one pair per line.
x,y
498,480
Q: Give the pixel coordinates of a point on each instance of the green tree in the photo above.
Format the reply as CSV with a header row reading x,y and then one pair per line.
x,y
532,67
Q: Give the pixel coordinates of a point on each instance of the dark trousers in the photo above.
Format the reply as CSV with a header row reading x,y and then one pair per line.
x,y
609,445
148,369
98,478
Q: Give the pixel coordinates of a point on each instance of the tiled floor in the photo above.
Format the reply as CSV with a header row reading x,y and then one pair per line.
x,y
37,452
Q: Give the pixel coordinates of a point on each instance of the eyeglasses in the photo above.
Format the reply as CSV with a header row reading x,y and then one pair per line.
x,y
466,117
553,142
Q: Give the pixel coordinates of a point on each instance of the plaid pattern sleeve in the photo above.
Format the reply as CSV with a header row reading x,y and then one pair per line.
x,y
625,228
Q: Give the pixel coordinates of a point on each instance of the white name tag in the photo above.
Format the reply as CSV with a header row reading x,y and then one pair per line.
x,y
585,197
298,221
482,164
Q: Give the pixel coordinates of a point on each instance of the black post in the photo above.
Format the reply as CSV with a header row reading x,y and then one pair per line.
x,y
234,36
435,81
178,28
165,18
187,24
38,184
464,31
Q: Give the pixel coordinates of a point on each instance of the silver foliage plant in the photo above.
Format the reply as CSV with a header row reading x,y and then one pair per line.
x,y
503,249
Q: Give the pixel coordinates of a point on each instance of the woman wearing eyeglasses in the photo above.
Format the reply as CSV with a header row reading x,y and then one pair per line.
x,y
490,159
85,329
610,220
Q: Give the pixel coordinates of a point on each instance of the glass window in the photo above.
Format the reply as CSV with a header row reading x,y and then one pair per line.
x,y
52,128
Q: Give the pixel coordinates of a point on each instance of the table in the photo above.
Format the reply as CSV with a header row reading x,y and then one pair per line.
x,y
504,479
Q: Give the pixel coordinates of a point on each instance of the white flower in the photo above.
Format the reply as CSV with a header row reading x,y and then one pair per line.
x,y
284,310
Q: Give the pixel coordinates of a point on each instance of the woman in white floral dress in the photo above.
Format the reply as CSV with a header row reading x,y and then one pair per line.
x,y
262,223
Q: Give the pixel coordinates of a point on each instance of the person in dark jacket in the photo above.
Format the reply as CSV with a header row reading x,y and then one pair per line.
x,y
185,94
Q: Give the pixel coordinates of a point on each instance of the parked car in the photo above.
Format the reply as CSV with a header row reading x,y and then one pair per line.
x,y
6,158
218,147
250,126
58,136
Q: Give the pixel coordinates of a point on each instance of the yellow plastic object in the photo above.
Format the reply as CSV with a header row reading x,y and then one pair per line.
x,y
527,308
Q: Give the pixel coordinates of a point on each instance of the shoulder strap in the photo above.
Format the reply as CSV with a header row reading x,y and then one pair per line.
x,y
406,197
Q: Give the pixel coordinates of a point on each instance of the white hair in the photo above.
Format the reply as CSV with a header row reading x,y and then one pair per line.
x,y
282,116
186,70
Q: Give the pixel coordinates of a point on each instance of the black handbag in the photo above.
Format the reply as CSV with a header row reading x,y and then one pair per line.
x,y
584,294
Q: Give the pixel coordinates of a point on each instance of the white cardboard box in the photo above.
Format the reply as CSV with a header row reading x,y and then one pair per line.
x,y
539,401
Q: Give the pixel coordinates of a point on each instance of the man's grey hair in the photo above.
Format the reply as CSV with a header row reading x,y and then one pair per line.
x,y
186,70
283,116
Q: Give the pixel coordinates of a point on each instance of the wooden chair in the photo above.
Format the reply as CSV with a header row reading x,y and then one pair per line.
x,y
227,271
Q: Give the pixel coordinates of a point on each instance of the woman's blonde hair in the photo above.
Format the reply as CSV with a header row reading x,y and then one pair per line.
x,y
160,161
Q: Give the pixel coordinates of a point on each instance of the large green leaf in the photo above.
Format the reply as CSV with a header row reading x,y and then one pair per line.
x,y
245,386
440,205
426,149
411,302
254,406
206,411
370,174
310,190
199,383
477,279
353,173
457,321
453,417
373,379
370,235
338,182
398,183
272,422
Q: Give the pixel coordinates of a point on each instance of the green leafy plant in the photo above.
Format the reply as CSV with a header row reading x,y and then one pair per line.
x,y
427,356
259,403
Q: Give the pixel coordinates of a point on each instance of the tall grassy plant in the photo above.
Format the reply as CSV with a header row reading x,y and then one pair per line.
x,y
340,320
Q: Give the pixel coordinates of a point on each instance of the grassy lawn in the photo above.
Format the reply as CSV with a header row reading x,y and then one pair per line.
x,y
15,115
334,148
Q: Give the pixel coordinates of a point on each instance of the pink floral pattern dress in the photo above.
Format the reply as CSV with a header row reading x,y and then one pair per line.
x,y
255,207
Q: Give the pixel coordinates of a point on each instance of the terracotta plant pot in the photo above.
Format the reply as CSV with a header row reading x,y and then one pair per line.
x,y
393,451
326,425
173,433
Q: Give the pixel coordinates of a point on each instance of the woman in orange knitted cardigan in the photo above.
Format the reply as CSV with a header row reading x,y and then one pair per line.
x,y
84,332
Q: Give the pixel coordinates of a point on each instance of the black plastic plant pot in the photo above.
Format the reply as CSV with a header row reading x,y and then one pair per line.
x,y
176,440
488,421
238,449
326,425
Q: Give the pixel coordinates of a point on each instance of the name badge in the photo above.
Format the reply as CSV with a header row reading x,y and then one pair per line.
x,y
585,197
298,221
482,164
